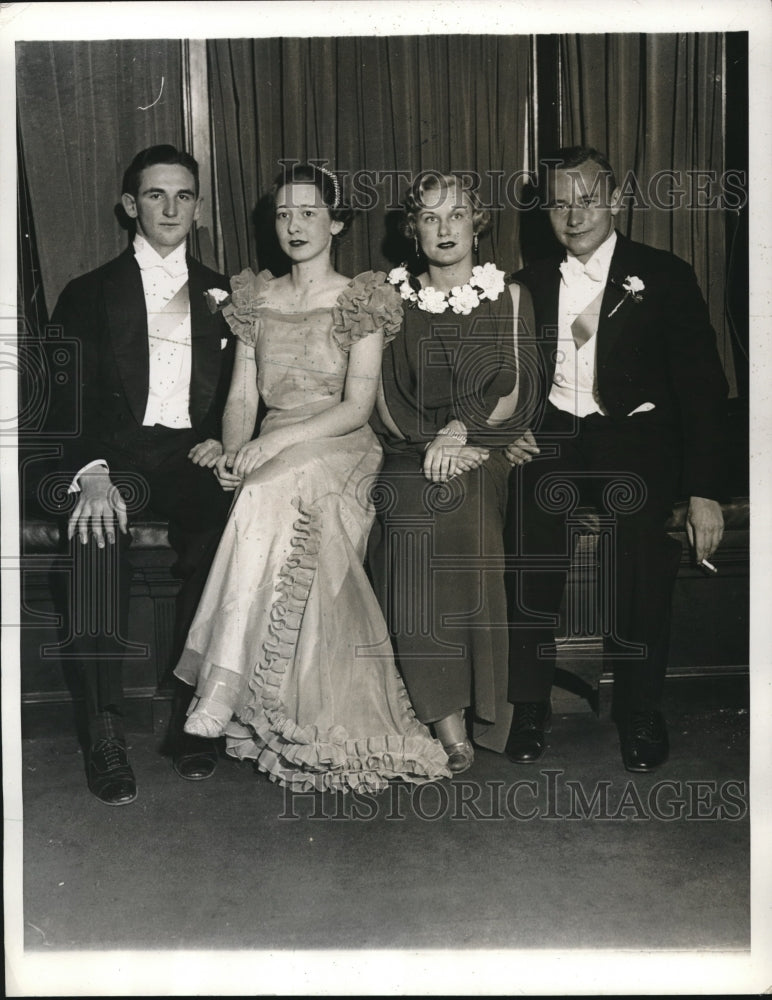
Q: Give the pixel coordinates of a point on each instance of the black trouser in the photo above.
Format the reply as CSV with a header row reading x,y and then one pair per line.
x,y
165,482
628,469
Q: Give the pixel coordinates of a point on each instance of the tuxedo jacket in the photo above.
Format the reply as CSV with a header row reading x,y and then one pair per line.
x,y
104,312
659,350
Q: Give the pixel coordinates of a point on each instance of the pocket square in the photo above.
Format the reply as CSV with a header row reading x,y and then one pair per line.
x,y
223,343
643,408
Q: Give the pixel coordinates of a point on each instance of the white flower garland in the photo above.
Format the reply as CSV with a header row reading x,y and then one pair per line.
x,y
487,282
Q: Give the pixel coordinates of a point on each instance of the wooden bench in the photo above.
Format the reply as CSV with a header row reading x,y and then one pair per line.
x,y
710,624
709,635
48,680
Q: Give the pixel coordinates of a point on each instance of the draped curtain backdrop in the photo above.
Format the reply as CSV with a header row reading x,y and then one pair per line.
x,y
84,110
395,104
456,103
655,103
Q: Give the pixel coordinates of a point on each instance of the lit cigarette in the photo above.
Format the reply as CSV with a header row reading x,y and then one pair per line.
x,y
708,565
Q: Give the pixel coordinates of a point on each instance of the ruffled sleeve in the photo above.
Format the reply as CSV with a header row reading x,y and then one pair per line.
x,y
367,304
247,297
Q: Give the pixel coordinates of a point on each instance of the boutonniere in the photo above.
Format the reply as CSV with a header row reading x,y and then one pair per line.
x,y
216,299
633,288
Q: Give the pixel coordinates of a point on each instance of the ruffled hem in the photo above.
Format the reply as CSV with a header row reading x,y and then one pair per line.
x,y
367,305
303,757
242,312
363,765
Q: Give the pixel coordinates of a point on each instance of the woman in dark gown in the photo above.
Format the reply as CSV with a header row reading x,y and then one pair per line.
x,y
447,408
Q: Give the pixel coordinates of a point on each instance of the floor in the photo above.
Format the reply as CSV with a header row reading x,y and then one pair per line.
x,y
501,857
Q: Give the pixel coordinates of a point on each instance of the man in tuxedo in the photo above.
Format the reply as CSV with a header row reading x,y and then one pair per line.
x,y
632,418
154,372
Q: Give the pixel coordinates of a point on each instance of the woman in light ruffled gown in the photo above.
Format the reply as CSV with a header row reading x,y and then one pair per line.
x,y
289,652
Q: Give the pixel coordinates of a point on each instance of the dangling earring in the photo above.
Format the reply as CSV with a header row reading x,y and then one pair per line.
x,y
476,244
417,248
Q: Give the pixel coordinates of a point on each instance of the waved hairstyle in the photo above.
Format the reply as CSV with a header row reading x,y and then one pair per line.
x,y
151,157
435,184
307,173
569,158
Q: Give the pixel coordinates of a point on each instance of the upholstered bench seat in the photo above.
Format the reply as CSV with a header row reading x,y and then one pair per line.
x,y
41,535
48,681
710,627
736,516
710,623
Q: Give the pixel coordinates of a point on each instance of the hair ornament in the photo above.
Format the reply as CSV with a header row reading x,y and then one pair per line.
x,y
336,186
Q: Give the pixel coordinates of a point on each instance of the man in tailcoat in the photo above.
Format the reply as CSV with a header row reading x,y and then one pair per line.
x,y
632,419
155,366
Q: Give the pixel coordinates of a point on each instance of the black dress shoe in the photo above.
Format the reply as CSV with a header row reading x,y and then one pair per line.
x,y
530,721
644,740
194,758
110,776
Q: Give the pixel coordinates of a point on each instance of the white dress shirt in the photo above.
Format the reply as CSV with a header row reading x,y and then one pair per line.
x,y
168,398
574,385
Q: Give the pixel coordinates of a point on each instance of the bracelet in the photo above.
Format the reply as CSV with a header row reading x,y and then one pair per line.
x,y
445,432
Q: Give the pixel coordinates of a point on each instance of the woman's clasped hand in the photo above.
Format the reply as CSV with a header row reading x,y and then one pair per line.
x,y
445,458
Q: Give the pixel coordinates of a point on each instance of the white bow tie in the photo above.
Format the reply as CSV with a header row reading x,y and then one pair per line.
x,y
572,268
174,268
